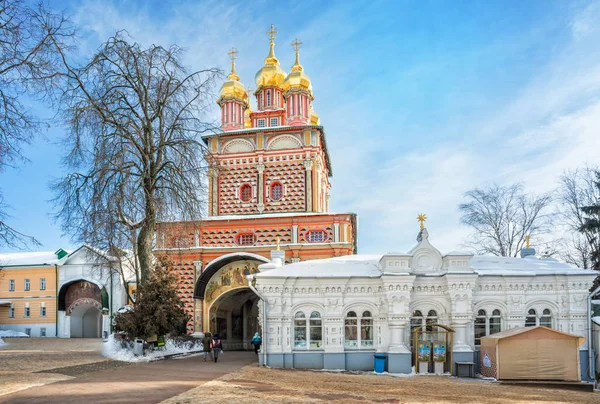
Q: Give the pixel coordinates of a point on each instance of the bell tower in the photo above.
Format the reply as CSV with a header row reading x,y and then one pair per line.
x,y
233,100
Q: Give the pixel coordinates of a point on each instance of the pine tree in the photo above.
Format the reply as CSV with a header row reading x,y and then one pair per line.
x,y
591,224
158,309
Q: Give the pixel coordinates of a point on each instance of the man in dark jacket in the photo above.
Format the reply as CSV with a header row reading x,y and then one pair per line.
x,y
206,346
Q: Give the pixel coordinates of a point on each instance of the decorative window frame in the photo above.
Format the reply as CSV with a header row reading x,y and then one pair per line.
x,y
273,119
306,235
240,192
487,316
539,315
359,344
245,233
261,123
271,185
300,316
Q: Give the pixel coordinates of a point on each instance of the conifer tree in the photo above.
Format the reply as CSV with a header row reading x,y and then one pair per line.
x,y
157,310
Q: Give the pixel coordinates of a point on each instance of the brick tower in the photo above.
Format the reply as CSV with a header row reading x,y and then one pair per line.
x,y
268,188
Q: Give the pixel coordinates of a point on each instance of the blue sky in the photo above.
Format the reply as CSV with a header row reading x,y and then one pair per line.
x,y
421,101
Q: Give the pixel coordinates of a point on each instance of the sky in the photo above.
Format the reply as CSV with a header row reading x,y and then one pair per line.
x,y
421,101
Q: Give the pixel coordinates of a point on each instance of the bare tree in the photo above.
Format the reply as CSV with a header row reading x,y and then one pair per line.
x,y
135,117
28,63
501,218
577,191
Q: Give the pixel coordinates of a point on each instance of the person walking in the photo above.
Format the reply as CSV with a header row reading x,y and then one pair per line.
x,y
256,341
207,346
217,347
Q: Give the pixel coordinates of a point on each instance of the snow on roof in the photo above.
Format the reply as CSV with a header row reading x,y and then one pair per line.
x,y
596,320
349,265
493,265
28,258
368,266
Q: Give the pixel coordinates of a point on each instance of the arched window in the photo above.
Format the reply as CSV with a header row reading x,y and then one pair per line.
x,y
531,319
246,239
366,329
276,191
431,319
484,325
246,193
300,330
358,331
416,320
480,326
268,98
316,236
495,322
316,331
546,319
308,334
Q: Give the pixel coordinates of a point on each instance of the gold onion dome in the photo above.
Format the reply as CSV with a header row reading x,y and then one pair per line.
x,y
297,79
232,88
271,74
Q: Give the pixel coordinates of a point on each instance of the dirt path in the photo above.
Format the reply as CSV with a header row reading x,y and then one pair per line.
x,y
140,383
252,385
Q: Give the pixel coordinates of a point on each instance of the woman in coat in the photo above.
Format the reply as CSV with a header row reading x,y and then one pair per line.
x,y
256,341
206,345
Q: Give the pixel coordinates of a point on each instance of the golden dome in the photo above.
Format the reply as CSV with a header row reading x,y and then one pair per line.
x,y
247,120
271,74
232,88
314,117
297,79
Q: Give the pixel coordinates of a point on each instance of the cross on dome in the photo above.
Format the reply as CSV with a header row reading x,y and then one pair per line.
x,y
296,44
233,56
272,33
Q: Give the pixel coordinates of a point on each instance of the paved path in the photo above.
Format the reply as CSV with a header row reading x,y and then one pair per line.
x,y
140,383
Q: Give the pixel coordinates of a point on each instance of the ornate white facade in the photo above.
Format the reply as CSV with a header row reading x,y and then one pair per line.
x,y
470,294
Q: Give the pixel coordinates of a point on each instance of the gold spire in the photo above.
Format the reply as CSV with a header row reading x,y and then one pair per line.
x,y
422,218
527,241
297,67
271,59
233,56
271,74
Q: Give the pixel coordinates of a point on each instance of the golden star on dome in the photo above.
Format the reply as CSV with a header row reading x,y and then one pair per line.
x,y
422,218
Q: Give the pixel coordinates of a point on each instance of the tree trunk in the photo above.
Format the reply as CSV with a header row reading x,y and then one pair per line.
x,y
144,247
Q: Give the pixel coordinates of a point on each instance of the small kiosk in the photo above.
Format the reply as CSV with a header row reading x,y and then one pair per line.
x,y
531,353
433,348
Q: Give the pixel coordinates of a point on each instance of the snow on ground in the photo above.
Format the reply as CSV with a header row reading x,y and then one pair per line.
x,y
12,334
113,349
2,343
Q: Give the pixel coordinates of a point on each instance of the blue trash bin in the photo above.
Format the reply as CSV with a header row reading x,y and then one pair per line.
x,y
380,360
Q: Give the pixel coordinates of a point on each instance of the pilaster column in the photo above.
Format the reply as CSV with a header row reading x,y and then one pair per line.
x,y
261,187
213,191
308,164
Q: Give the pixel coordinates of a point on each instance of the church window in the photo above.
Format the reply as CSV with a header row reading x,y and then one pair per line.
x,y
480,324
276,191
546,319
308,334
274,122
246,193
268,98
416,321
487,325
246,239
431,319
358,331
316,236
261,123
531,319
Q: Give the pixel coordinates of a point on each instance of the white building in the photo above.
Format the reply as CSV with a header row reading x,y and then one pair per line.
x,y
336,313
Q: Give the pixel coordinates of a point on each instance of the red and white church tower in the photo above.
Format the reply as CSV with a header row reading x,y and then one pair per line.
x,y
269,186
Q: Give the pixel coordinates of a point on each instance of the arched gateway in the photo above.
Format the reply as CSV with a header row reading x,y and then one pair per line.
x,y
82,302
230,307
